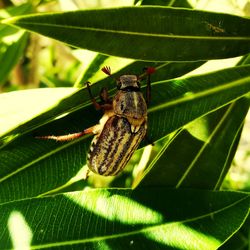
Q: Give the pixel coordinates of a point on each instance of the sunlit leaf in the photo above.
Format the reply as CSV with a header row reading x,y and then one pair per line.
x,y
22,106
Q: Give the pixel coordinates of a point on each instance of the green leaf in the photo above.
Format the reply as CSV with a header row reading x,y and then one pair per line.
x,y
240,240
192,97
237,242
205,151
16,115
15,11
22,106
9,122
12,41
93,68
164,71
168,97
51,164
147,33
122,219
11,53
176,3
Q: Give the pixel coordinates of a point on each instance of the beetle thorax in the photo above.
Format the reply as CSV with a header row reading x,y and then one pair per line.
x,y
129,102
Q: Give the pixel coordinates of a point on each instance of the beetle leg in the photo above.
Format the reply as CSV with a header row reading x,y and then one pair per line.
x,y
148,140
68,137
148,72
103,95
86,174
93,100
148,98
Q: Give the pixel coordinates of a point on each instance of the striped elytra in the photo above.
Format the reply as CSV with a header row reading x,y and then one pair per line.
x,y
113,147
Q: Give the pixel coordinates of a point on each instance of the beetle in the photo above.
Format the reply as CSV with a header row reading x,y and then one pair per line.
x,y
121,128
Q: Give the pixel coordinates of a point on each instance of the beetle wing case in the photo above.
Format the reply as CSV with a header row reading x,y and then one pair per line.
x,y
113,147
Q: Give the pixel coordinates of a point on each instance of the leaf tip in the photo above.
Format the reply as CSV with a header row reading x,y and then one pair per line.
x,y
8,21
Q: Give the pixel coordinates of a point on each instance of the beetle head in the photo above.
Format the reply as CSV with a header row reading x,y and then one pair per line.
x,y
128,82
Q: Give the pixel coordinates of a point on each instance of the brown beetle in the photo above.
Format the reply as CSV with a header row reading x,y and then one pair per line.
x,y
121,129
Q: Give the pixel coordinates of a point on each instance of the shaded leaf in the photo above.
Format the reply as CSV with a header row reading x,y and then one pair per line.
x,y
164,71
147,33
205,151
78,220
237,242
189,98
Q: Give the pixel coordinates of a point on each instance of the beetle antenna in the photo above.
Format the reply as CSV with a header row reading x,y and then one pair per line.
x,y
106,70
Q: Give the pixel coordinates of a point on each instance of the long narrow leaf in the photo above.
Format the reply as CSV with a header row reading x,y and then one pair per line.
x,y
146,33
12,40
203,160
50,164
121,219
169,98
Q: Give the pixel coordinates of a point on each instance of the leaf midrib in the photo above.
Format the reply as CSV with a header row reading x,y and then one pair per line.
x,y
206,92
242,81
64,145
144,230
203,148
11,21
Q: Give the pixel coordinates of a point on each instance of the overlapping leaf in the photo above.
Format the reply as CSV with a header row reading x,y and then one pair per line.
x,y
205,151
41,166
121,218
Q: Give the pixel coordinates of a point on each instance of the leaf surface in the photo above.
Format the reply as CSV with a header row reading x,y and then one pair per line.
x,y
147,33
205,151
12,41
122,219
38,167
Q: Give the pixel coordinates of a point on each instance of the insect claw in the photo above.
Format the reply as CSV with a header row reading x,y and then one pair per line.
x,y
87,83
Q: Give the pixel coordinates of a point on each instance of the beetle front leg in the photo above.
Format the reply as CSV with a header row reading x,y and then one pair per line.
x,y
149,71
148,98
104,96
69,137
